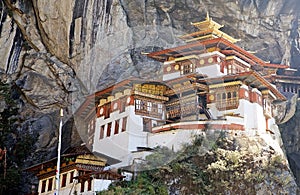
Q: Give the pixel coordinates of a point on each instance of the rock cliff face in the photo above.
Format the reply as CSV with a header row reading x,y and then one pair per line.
x,y
290,132
58,51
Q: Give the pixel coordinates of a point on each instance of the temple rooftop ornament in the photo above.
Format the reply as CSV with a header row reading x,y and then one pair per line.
x,y
207,23
208,29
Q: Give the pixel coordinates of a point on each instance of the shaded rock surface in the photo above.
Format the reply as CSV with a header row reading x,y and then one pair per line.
x,y
290,132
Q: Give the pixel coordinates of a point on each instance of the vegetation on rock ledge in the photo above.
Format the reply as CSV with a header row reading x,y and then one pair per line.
x,y
224,169
15,139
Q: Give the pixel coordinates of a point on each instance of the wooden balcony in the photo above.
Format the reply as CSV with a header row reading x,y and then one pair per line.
x,y
227,104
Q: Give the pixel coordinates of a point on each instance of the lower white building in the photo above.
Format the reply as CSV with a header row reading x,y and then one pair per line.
x,y
81,172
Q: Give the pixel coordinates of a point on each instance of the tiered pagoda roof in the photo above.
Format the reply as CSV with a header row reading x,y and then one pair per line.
x,y
208,29
209,38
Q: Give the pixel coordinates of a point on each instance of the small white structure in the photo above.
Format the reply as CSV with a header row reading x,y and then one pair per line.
x,y
81,173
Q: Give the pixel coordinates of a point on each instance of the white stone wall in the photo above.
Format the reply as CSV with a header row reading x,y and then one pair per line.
x,y
135,130
63,190
171,76
252,114
71,188
172,139
211,71
120,146
101,184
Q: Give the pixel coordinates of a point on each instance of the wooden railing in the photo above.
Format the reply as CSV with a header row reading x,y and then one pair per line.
x,y
227,104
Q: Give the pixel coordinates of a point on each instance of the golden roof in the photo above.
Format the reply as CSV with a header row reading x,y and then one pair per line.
x,y
208,29
207,23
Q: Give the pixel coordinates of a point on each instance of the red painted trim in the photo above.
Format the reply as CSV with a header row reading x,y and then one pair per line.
x,y
276,65
216,41
254,98
242,93
232,52
131,100
285,77
231,126
247,74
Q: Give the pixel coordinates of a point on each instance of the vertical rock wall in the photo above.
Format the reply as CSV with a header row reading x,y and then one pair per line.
x,y
290,132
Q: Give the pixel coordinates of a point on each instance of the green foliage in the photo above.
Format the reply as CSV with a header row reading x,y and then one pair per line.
x,y
144,184
19,143
160,157
222,170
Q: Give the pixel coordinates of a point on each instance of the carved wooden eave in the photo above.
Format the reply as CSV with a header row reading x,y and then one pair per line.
x,y
156,97
275,66
285,79
227,84
252,79
73,158
215,33
107,175
88,107
200,47
90,159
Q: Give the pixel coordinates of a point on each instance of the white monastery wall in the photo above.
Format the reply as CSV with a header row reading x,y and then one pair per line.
x,y
251,113
120,145
211,70
135,130
171,76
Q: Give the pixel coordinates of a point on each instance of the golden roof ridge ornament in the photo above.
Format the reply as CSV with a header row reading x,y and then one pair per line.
x,y
208,29
208,23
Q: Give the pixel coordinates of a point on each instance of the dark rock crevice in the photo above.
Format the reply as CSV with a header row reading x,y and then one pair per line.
x,y
13,59
290,132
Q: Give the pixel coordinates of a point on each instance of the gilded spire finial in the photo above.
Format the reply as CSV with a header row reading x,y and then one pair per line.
x,y
207,15
208,29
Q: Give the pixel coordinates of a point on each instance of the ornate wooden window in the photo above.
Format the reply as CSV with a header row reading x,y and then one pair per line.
x,y
107,110
43,186
101,132
91,129
148,107
229,95
82,186
116,127
122,105
160,108
64,180
227,100
174,111
71,177
187,68
89,185
124,123
108,132
138,104
50,184
234,94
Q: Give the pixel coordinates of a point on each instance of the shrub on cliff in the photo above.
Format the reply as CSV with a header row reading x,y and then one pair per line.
x,y
17,142
224,169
